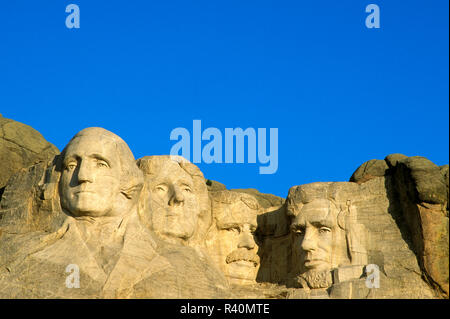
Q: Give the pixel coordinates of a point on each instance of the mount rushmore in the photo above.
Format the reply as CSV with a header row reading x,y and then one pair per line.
x,y
94,222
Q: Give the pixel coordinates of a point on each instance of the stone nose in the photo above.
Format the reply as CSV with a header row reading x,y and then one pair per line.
x,y
176,197
85,172
309,242
246,240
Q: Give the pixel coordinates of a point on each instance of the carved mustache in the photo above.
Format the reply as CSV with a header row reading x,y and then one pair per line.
x,y
243,254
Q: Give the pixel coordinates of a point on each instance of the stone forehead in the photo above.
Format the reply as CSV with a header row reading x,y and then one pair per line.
x,y
318,208
339,192
152,165
316,196
230,197
309,192
319,203
225,214
98,134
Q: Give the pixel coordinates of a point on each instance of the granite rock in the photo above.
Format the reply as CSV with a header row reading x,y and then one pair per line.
x,y
92,216
20,147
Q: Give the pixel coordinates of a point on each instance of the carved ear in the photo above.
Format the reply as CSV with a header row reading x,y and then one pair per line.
x,y
342,215
130,192
250,202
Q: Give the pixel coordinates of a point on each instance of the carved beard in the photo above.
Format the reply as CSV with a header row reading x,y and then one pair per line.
x,y
316,279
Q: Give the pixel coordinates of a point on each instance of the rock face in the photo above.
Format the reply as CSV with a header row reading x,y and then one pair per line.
x,y
419,194
231,240
92,222
20,146
265,200
96,226
361,228
369,170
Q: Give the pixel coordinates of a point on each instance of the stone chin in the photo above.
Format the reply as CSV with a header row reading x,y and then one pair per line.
x,y
172,223
317,278
173,233
172,228
242,272
86,211
85,204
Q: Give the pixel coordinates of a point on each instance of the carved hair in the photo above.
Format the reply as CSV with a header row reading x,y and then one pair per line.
x,y
228,197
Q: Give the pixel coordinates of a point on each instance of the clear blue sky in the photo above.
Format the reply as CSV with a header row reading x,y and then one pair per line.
x,y
339,93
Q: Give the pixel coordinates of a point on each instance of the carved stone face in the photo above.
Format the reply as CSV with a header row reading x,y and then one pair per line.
x,y
232,243
90,179
319,243
174,206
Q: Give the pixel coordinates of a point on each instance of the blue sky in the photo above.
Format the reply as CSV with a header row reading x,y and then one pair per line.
x,y
339,93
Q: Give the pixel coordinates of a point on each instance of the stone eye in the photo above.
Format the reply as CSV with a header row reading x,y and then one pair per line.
x,y
71,166
234,229
160,188
102,164
299,231
323,230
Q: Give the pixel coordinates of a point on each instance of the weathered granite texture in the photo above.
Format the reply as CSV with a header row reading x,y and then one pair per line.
x,y
20,146
83,213
419,191
92,222
231,240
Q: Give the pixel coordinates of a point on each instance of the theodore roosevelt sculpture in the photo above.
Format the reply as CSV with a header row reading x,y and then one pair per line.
x,y
231,241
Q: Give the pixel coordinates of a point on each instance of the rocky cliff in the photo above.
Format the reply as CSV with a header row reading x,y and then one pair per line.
x,y
167,232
